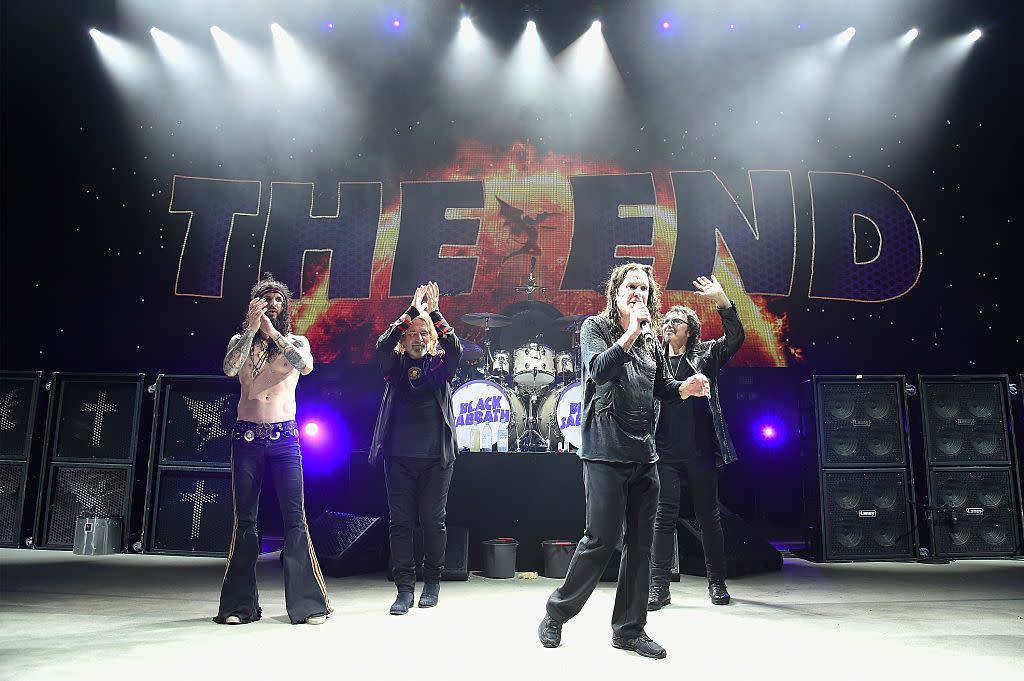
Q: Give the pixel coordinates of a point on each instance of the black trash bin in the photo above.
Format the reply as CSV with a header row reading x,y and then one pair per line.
x,y
557,554
500,557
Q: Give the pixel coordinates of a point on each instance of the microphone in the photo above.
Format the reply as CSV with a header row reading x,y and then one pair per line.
x,y
645,328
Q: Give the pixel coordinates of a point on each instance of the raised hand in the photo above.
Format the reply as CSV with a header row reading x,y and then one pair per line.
x,y
711,288
267,327
417,298
257,306
432,294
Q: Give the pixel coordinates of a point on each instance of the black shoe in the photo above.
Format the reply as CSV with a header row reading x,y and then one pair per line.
x,y
658,597
550,632
641,645
428,597
402,603
719,594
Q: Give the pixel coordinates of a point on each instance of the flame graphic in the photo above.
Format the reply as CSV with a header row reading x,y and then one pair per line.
x,y
535,184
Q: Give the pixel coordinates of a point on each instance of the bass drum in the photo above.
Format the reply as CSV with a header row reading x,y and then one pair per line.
x,y
560,414
483,406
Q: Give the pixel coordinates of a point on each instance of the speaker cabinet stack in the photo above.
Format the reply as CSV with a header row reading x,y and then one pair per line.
x,y
189,505
19,471
970,466
89,452
858,479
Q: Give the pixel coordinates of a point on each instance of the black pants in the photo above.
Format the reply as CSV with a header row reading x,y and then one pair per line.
x,y
417,486
702,474
621,503
304,591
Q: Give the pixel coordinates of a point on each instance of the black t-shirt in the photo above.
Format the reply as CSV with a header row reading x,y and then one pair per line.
x,y
416,419
685,427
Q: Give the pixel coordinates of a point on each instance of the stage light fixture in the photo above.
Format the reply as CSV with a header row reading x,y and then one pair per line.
x,y
732,27
974,35
847,35
909,36
531,25
329,25
799,27
596,26
312,429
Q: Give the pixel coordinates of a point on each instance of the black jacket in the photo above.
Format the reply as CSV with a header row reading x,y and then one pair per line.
x,y
439,370
619,393
708,357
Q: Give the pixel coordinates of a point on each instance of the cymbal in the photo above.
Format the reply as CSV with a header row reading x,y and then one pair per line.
x,y
570,321
488,320
471,352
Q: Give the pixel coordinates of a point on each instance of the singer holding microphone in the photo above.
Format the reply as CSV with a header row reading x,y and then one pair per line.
x,y
623,374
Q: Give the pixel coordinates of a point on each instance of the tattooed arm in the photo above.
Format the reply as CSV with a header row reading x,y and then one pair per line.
x,y
238,352
296,350
241,344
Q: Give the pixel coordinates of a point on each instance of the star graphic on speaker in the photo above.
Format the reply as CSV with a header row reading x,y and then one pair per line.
x,y
8,403
209,417
91,498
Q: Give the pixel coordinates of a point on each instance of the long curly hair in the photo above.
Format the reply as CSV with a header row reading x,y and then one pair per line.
x,y
283,323
615,279
432,340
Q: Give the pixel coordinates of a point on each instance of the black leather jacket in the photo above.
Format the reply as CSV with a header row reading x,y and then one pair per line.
x,y
439,369
620,390
708,357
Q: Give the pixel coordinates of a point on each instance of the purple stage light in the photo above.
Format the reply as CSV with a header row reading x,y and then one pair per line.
x,y
330,25
732,27
665,25
395,24
767,432
312,429
799,27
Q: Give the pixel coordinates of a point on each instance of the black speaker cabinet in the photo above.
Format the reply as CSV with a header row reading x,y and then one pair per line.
x,y
974,501
19,458
89,453
347,544
189,505
966,420
858,482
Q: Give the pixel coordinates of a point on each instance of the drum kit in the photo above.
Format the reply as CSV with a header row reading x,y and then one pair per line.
x,y
525,399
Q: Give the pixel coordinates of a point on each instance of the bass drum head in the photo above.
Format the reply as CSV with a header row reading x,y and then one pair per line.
x,y
568,413
483,404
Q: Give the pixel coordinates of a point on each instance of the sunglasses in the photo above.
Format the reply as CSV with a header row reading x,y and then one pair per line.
x,y
673,321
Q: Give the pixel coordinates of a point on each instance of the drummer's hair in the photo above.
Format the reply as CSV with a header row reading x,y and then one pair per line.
x,y
692,324
615,279
431,344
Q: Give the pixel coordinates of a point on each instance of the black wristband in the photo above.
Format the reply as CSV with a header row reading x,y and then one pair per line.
x,y
413,312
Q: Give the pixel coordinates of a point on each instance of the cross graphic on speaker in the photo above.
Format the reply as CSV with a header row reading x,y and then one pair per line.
x,y
99,407
197,498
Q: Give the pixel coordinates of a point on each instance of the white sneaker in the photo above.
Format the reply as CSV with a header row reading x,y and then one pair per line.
x,y
232,619
316,619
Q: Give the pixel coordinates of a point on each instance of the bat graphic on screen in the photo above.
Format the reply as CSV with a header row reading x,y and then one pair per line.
x,y
521,224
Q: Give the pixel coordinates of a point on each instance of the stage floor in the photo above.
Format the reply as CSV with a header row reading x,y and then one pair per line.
x,y
130,616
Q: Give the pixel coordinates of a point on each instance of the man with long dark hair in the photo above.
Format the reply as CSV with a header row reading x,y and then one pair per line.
x,y
623,375
693,441
268,360
415,435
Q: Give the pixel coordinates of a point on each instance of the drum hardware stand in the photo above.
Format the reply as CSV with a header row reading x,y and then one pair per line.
x,y
531,435
531,281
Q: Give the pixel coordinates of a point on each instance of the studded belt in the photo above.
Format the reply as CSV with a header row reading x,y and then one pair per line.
x,y
249,431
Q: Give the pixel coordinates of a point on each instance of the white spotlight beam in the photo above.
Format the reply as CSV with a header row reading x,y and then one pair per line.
x,y
126,63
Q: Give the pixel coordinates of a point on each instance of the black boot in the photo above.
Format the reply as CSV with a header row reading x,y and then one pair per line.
x,y
719,594
658,597
428,597
402,603
550,632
